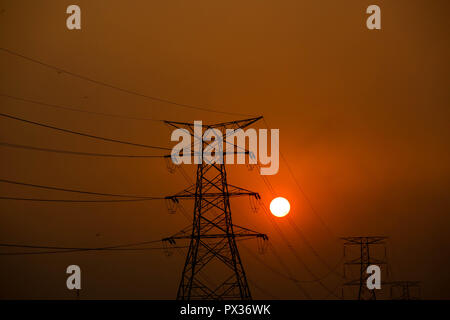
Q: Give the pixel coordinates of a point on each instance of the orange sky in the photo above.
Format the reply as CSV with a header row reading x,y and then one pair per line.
x,y
363,118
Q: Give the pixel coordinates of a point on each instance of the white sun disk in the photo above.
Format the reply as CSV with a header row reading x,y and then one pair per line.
x,y
279,207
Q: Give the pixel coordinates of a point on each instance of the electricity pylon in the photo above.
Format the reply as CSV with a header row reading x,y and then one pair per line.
x,y
365,258
212,249
405,290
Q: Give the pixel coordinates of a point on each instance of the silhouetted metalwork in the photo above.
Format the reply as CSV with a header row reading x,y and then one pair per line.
x,y
365,258
213,235
405,290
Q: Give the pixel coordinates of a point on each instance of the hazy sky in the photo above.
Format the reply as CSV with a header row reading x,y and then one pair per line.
x,y
363,118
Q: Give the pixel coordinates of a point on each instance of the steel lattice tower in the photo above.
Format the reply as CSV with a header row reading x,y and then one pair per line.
x,y
365,258
405,290
213,268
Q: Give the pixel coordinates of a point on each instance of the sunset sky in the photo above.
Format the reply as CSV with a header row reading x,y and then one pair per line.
x,y
364,119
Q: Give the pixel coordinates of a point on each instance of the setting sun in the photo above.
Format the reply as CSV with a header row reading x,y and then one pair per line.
x,y
279,207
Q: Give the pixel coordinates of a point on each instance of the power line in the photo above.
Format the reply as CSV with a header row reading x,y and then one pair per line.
x,y
77,109
78,191
302,191
302,236
296,255
89,154
58,249
280,261
30,246
309,245
262,290
294,252
135,93
287,276
331,269
71,251
308,200
82,134
70,200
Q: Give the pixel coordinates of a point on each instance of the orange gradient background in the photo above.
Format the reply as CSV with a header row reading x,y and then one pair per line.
x,y
363,118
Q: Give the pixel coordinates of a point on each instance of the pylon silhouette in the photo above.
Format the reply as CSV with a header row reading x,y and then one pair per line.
x,y
405,290
213,268
365,258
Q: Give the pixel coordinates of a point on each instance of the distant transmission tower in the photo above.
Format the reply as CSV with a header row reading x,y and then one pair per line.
x,y
405,290
364,258
213,269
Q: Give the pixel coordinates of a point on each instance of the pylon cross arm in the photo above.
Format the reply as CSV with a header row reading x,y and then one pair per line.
x,y
233,191
171,240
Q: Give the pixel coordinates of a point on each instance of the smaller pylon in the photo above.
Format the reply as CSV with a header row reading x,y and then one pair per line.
x,y
405,290
366,256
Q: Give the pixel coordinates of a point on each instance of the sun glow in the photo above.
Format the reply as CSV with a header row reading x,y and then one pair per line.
x,y
279,207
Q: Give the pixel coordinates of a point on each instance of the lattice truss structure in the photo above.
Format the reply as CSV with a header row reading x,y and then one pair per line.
x,y
405,290
213,269
359,253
